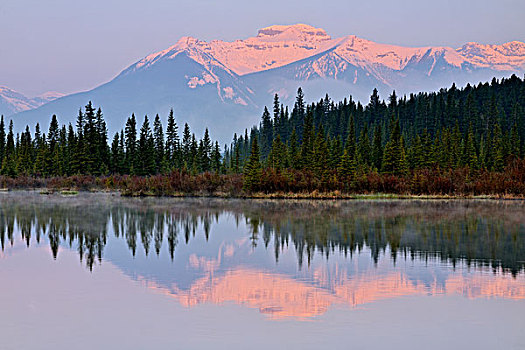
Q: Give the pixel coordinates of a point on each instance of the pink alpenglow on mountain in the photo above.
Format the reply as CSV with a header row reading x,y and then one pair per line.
x,y
13,102
225,85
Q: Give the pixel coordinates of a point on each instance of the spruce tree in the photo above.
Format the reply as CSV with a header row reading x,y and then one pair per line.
x,y
364,148
102,148
253,169
278,158
131,144
294,150
194,151
266,133
9,161
307,145
216,158
394,158
2,140
346,170
159,144
24,164
173,153
206,152
497,151
186,147
320,156
377,151
350,144
115,155
146,150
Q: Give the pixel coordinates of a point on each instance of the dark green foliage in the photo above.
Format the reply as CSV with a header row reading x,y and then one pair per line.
x,y
253,169
9,161
320,146
394,159
130,133
2,138
278,157
173,149
158,135
145,159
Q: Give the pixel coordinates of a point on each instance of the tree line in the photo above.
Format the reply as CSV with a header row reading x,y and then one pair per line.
x,y
478,128
84,149
330,145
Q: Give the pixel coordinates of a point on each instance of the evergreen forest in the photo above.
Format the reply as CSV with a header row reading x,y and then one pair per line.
x,y
466,141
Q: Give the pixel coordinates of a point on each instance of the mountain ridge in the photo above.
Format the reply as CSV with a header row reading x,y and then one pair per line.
x,y
308,41
223,85
12,101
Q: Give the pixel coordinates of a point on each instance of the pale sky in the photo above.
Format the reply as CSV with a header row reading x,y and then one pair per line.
x,y
71,45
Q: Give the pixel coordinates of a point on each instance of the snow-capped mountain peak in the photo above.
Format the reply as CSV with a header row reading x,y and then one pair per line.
x,y
296,32
506,56
12,101
278,45
227,82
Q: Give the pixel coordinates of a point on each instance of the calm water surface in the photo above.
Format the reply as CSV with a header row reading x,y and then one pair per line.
x,y
100,271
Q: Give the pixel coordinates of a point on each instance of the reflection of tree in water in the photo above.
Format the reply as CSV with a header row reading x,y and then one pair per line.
x,y
489,234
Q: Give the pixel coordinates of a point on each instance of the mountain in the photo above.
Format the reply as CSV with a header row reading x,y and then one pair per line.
x,y
224,85
12,102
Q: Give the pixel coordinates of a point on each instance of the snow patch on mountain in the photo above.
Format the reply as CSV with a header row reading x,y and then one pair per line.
x,y
224,84
12,102
507,56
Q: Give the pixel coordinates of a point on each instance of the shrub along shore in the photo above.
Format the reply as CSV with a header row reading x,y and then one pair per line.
x,y
427,183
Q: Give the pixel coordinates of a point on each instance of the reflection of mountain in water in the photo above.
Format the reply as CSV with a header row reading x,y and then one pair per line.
x,y
285,258
282,296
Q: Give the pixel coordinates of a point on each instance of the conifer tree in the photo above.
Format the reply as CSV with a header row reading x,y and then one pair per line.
x,y
2,140
71,148
253,169
194,151
278,158
266,133
364,149
131,144
216,158
102,149
206,152
24,164
173,153
42,157
471,157
159,144
350,144
394,158
515,141
116,155
377,151
9,162
146,150
298,113
346,169
294,150
320,156
497,149
186,147
307,142
336,151
53,141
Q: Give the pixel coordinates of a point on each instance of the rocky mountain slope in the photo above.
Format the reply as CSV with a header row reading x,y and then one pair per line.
x,y
224,85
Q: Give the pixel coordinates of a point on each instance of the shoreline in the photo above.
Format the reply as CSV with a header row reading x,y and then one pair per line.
x,y
71,192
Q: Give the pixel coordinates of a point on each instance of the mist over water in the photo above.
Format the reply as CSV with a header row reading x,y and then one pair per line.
x,y
198,269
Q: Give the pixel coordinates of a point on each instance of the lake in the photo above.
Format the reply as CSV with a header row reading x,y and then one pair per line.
x,y
102,271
